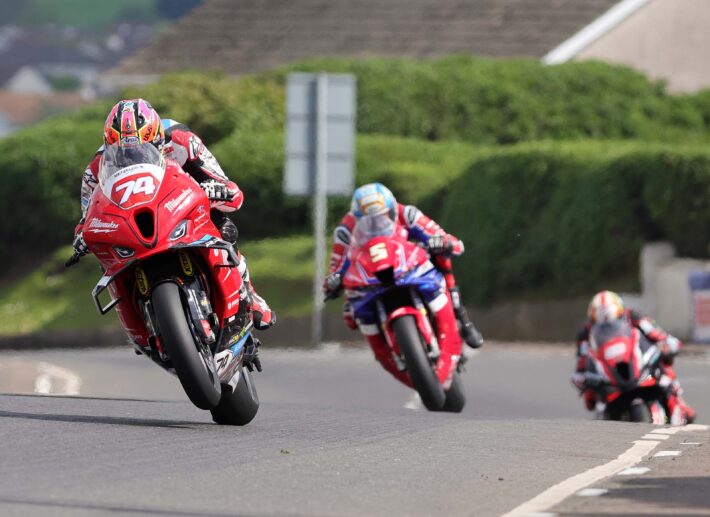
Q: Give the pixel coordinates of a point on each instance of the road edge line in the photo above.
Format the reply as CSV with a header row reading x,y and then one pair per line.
x,y
561,491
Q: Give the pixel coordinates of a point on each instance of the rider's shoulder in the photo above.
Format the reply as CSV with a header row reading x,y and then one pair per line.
x,y
170,125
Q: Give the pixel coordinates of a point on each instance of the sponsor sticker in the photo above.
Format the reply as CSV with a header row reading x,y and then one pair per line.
x,y
185,263
98,226
181,201
142,281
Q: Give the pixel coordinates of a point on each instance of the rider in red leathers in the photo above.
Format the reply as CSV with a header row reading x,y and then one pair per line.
x,y
374,197
606,305
134,121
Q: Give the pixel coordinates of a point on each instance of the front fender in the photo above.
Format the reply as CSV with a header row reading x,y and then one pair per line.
x,y
420,316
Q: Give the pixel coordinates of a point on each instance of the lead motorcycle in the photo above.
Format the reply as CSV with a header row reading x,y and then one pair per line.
x,y
387,277
173,281
624,370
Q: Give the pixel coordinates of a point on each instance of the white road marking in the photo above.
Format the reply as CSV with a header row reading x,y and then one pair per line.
x,y
556,494
55,380
655,436
690,443
634,471
666,430
592,492
414,402
665,454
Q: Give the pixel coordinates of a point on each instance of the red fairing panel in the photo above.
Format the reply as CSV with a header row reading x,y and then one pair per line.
x,y
112,222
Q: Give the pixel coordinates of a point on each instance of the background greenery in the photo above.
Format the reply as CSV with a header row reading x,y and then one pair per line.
x,y
553,176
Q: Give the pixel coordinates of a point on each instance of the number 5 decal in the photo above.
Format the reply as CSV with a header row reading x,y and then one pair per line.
x,y
378,252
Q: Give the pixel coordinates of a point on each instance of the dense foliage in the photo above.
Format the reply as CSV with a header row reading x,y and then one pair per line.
x,y
566,218
557,216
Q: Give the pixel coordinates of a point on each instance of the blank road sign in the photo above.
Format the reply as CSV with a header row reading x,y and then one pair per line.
x,y
301,134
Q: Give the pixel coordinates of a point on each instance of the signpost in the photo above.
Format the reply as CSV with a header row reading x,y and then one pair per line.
x,y
320,149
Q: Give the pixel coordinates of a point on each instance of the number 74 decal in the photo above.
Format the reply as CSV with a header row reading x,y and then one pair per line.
x,y
134,192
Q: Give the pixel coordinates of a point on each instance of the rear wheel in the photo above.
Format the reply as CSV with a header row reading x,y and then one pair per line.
x,y
455,396
194,367
418,365
238,407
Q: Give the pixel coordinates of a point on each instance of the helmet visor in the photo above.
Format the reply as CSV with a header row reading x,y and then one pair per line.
x,y
370,226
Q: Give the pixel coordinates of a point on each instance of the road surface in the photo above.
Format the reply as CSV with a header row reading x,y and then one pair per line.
x,y
335,435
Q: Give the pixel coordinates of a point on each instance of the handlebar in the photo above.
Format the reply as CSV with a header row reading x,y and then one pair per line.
x,y
332,295
74,259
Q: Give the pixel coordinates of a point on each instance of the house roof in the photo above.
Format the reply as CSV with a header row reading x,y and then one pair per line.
x,y
243,36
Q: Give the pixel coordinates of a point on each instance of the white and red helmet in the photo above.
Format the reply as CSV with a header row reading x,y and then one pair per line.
x,y
605,306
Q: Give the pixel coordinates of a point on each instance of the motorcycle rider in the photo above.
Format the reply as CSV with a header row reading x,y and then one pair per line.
x,y
135,121
608,306
374,197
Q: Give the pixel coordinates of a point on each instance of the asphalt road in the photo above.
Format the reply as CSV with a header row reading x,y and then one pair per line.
x,y
335,435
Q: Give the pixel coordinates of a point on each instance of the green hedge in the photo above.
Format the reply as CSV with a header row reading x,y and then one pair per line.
x,y
507,101
565,219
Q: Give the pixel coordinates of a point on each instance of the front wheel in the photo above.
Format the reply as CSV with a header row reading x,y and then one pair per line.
x,y
238,407
195,369
418,365
455,396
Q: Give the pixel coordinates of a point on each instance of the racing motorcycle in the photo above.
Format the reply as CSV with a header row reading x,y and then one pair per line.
x,y
174,282
386,278
624,370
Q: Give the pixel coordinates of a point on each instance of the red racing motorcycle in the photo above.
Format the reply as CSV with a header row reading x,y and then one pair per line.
x,y
174,282
387,281
624,370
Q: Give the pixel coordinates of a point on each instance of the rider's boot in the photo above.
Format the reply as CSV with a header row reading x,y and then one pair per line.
x,y
469,333
676,393
261,314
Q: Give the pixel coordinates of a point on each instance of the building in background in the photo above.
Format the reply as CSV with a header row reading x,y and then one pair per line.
x,y
667,39
245,37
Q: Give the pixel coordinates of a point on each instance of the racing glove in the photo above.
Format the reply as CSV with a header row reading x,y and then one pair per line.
x,y
579,380
440,245
79,244
217,191
332,285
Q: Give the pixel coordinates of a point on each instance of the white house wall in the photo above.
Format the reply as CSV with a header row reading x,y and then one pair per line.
x,y
667,39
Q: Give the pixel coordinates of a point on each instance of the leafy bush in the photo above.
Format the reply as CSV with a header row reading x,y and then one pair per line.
x,y
564,219
213,105
42,169
507,101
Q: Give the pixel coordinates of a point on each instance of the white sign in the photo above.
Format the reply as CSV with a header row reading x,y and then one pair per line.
x,y
302,133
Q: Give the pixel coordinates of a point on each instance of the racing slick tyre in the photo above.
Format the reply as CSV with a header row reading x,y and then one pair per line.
x,y
455,396
237,407
418,365
638,412
194,367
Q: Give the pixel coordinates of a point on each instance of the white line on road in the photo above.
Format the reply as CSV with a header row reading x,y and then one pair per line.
x,y
592,492
655,436
666,454
666,430
55,380
634,471
556,494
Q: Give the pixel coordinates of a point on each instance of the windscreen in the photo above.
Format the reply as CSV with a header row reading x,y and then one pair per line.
x,y
603,332
116,158
371,226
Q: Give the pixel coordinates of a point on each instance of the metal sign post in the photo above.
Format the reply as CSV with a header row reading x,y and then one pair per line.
x,y
320,148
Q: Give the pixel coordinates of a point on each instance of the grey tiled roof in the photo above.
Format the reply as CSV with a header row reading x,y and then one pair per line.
x,y
241,36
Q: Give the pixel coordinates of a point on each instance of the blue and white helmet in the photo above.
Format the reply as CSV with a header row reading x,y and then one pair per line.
x,y
373,199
